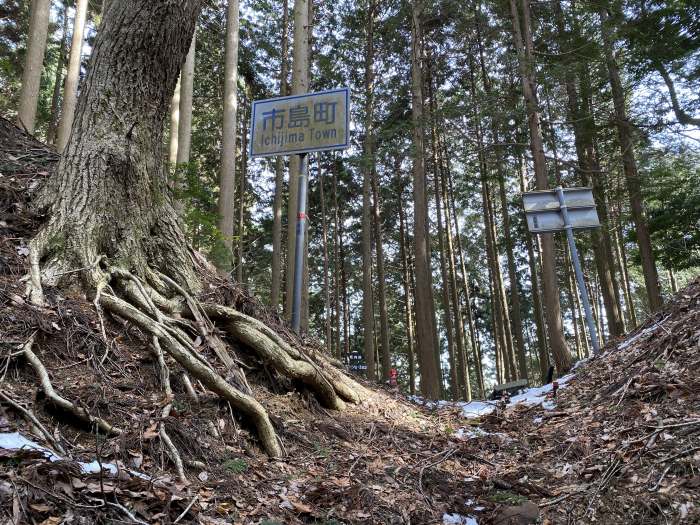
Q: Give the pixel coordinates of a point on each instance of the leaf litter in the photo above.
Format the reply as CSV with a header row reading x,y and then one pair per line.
x,y
619,444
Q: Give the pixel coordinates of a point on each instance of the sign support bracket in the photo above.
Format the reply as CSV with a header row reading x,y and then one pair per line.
x,y
578,271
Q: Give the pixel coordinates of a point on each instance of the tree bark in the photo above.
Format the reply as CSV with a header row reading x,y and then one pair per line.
x,y
184,135
33,64
326,279
227,172
240,263
121,175
277,253
70,91
174,124
560,352
629,163
58,81
410,350
367,167
385,349
543,354
425,306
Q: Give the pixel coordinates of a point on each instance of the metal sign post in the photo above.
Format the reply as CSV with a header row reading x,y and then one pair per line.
x,y
299,249
566,209
298,125
568,227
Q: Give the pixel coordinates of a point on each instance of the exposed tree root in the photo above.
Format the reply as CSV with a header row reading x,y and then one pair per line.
x,y
29,415
59,401
165,413
243,402
250,330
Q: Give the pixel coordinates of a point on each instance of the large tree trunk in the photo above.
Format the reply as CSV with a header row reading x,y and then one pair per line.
x,y
112,166
227,173
33,64
425,306
277,253
70,92
560,352
629,164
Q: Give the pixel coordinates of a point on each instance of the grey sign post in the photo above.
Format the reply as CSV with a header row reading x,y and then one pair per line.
x,y
565,209
298,125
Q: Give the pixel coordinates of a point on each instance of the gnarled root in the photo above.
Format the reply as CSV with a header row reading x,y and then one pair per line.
x,y
59,401
243,402
165,413
284,357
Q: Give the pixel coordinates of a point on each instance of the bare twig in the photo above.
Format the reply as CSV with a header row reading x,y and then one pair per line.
x,y
32,418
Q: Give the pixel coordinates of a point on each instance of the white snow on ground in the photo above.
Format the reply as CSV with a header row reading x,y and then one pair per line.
x,y
16,441
529,396
647,331
458,519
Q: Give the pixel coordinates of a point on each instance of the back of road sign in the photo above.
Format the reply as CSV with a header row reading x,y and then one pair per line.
x,y
300,123
543,213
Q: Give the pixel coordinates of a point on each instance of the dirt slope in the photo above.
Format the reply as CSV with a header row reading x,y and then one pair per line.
x,y
620,446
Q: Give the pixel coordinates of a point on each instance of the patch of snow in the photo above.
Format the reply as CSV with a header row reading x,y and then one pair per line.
x,y
537,420
580,362
16,441
470,433
474,409
458,519
647,331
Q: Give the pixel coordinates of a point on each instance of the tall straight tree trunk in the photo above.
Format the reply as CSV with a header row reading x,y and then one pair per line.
x,y
403,248
33,64
584,130
227,171
523,46
462,341
337,261
385,348
184,134
277,252
70,91
430,383
672,281
174,124
456,372
300,85
516,316
326,279
240,275
465,281
367,167
58,80
629,164
543,354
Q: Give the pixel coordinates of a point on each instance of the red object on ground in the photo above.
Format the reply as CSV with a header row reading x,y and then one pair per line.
x,y
393,377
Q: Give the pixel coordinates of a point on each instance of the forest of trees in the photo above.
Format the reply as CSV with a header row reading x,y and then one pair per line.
x,y
418,253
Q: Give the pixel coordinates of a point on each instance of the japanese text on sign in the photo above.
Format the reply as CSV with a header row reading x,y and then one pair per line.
x,y
300,124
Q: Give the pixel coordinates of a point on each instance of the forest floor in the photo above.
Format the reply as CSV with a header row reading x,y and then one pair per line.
x,y
620,443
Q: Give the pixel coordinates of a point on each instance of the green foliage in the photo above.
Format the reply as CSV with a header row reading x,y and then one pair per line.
x,y
673,205
236,465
